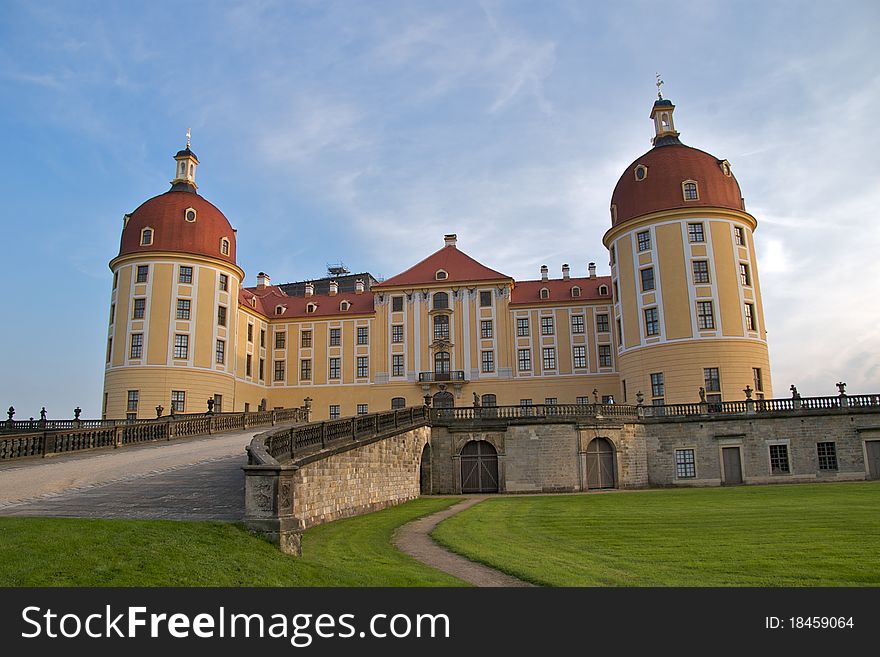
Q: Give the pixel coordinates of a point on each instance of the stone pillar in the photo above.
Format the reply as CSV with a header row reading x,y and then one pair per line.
x,y
268,505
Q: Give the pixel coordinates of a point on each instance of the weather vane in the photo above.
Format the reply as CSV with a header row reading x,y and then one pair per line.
x,y
188,136
660,83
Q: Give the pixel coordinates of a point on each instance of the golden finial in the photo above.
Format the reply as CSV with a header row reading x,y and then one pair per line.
x,y
659,83
188,135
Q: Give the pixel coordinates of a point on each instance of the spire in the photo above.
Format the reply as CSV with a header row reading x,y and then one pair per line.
x,y
185,170
664,128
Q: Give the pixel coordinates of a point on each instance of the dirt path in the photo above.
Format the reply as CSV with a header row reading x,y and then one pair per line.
x,y
414,539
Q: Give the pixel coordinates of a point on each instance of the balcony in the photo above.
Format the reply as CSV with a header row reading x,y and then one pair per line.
x,y
455,376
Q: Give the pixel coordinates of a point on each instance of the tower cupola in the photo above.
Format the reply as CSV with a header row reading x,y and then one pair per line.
x,y
664,127
185,171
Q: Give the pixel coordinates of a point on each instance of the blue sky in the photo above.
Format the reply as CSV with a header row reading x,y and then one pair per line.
x,y
364,131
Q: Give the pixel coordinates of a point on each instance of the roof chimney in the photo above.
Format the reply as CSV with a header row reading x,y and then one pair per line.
x,y
592,269
359,286
310,289
545,273
449,240
262,280
334,288
566,272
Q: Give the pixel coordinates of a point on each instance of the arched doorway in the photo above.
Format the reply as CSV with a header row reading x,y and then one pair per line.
x,y
425,471
479,468
600,464
444,399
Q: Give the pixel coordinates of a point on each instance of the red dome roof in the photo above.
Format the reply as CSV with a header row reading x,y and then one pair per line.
x,y
668,167
166,215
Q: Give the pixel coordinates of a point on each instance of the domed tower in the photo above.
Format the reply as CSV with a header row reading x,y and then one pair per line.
x,y
685,277
172,313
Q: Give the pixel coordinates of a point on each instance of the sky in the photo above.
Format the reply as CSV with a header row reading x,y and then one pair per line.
x,y
362,132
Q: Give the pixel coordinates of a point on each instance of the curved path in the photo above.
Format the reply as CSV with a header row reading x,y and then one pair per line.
x,y
414,539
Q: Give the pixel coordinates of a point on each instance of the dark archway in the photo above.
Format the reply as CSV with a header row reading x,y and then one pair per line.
x,y
601,472
425,471
444,399
479,468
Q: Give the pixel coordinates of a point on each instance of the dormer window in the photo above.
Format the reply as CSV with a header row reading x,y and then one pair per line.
x,y
345,305
575,291
689,190
253,302
190,214
725,167
311,307
224,246
641,172
603,290
614,214
146,237
545,293
441,275
279,310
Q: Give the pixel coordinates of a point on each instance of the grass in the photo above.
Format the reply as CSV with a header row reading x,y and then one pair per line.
x,y
795,535
80,552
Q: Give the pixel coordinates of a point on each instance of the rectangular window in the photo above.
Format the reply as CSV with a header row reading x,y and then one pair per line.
x,y
218,403
579,356
525,360
758,379
279,370
363,366
250,332
616,295
220,352
546,326
619,329
551,401
112,313
657,385
397,304
604,355
363,336
522,326
397,365
613,256
705,315
485,298
779,459
334,411
140,307
183,308
397,333
652,322
701,271
582,400
178,401
143,271
827,453
526,405
262,337
181,345
750,317
712,383
644,240
739,236
363,409
221,315
488,361
224,283
335,337
281,339
549,354
647,279
744,276
335,369
305,369
115,283
441,327
248,364
602,323
685,464
695,233
577,323
486,328
109,349
262,368
185,274
133,398
137,345
306,339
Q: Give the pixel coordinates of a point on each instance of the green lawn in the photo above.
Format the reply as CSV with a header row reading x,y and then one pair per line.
x,y
74,552
795,535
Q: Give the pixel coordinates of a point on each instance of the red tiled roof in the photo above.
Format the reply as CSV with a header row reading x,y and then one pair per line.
x,y
171,232
270,297
529,292
460,267
668,167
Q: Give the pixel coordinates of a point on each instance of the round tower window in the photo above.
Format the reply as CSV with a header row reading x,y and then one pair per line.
x,y
190,215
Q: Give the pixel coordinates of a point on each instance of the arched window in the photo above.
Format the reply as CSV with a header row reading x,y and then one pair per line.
x,y
311,307
545,293
575,291
689,189
603,290
279,310
441,300
441,327
441,362
489,400
146,237
345,305
224,246
398,402
441,275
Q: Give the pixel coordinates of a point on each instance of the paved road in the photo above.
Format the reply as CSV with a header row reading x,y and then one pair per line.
x,y
190,479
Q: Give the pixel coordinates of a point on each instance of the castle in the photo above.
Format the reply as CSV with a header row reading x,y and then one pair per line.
x,y
680,311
